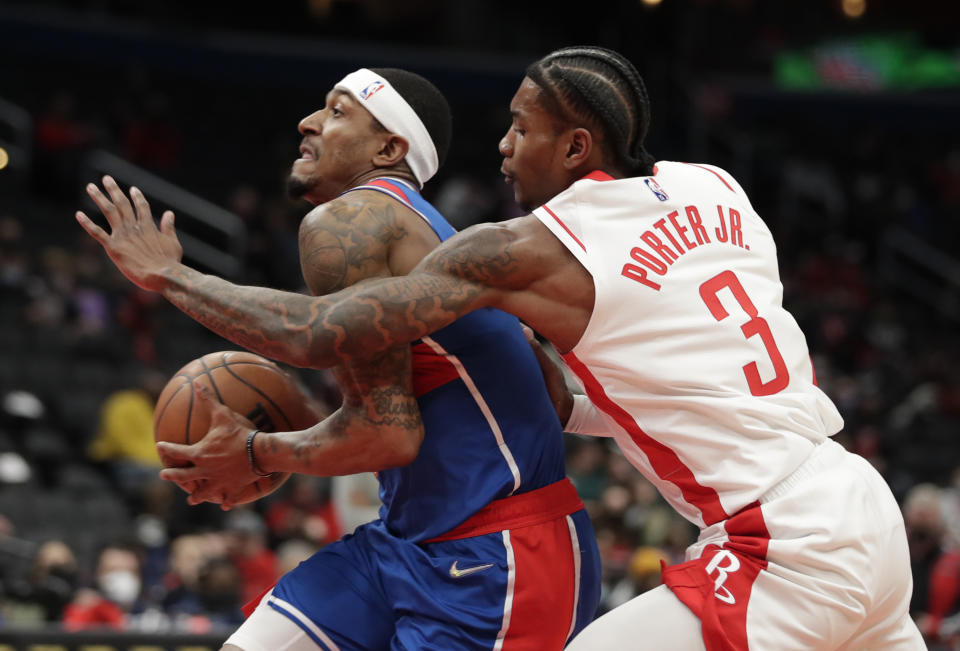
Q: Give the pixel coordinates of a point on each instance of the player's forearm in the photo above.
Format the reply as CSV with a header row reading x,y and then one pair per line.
x,y
284,326
344,444
358,322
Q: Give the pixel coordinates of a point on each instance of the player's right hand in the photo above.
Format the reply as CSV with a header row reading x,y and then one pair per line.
x,y
140,250
215,468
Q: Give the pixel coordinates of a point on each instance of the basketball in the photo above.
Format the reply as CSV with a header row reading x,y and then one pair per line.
x,y
247,383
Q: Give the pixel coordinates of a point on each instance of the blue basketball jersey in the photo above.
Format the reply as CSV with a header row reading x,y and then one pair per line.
x,y
491,429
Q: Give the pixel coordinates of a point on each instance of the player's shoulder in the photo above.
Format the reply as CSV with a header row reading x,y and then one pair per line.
x,y
535,245
520,230
703,174
346,240
490,235
362,210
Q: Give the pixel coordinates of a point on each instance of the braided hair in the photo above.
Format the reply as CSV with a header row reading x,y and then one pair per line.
x,y
604,88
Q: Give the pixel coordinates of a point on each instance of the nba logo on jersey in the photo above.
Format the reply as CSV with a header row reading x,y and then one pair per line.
x,y
371,88
656,189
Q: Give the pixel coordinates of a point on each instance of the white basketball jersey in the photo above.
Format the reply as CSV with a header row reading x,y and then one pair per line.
x,y
704,378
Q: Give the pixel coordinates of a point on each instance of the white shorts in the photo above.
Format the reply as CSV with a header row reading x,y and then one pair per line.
x,y
820,563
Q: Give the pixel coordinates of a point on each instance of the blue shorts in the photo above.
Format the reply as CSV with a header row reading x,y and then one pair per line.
x,y
531,586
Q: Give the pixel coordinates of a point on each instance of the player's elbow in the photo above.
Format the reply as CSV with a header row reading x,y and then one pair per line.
x,y
297,356
319,353
406,447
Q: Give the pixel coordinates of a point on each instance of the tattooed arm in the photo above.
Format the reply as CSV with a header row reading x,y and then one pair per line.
x,y
517,266
276,324
378,426
474,269
375,429
270,322
343,242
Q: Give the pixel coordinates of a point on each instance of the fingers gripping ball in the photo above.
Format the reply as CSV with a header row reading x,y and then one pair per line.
x,y
246,383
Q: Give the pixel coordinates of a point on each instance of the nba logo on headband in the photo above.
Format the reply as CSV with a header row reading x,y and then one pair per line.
x,y
373,87
392,111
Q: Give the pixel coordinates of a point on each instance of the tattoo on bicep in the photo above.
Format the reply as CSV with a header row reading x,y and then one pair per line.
x,y
392,406
379,392
485,258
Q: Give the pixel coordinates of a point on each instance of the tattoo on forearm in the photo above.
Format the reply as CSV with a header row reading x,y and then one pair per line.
x,y
361,321
273,323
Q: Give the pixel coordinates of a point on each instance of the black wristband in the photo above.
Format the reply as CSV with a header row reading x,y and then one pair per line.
x,y
257,470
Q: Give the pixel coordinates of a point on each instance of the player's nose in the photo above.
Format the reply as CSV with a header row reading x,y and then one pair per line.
x,y
506,146
311,124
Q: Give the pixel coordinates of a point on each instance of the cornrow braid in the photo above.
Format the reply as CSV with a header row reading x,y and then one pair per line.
x,y
603,87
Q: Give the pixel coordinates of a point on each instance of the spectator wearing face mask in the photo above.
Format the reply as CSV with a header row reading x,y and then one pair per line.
x,y
44,591
115,592
219,586
935,565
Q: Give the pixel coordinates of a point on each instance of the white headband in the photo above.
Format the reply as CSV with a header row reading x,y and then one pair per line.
x,y
375,94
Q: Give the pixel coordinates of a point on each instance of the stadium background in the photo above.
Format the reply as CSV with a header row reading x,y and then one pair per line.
x,y
839,117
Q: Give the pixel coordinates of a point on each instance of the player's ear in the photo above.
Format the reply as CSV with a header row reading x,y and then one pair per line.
x,y
393,150
579,147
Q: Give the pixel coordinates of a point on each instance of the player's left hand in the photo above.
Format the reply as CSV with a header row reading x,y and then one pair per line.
x,y
139,249
216,468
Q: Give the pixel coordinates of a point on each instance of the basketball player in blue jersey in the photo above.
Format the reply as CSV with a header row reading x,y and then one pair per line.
x,y
482,542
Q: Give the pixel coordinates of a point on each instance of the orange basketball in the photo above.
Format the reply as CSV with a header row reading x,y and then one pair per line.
x,y
247,383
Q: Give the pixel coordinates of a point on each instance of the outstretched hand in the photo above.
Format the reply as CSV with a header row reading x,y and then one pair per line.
x,y
140,250
216,468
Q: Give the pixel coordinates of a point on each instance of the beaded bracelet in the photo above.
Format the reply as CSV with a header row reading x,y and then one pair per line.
x,y
250,458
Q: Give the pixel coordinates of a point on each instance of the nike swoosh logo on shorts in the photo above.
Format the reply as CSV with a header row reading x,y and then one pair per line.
x,y
457,573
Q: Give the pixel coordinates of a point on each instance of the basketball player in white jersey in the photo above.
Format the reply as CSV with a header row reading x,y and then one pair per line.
x,y
659,283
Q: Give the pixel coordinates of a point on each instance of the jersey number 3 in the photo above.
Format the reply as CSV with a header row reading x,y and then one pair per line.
x,y
757,325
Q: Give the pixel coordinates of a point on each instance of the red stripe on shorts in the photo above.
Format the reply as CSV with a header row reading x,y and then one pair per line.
x,y
717,586
543,556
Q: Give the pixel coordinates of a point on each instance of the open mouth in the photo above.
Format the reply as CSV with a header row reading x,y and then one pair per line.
x,y
306,154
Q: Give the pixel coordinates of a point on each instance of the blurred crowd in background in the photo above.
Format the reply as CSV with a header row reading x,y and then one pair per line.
x,y
864,205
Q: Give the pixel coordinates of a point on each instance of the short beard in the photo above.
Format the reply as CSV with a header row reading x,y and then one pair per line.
x,y
296,187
